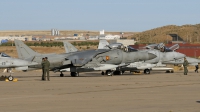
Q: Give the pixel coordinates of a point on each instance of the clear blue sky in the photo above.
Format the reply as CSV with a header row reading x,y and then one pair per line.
x,y
110,15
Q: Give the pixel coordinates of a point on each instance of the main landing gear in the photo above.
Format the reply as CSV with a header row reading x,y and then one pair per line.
x,y
73,74
118,72
170,71
108,72
147,71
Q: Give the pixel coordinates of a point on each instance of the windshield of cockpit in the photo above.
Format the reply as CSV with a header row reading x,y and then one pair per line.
x,y
4,55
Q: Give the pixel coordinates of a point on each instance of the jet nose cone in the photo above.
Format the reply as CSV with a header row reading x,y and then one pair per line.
x,y
151,56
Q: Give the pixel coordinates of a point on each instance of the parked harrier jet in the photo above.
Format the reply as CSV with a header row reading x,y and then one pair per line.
x,y
82,61
163,55
8,62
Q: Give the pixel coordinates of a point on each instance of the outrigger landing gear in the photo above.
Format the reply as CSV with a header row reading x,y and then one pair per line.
x,y
61,74
102,73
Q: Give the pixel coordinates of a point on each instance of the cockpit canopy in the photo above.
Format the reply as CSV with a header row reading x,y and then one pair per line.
x,y
131,49
162,47
122,47
3,54
116,46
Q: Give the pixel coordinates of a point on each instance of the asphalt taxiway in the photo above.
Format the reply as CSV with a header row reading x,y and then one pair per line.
x,y
92,92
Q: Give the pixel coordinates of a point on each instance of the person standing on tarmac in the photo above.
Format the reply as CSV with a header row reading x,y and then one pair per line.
x,y
42,64
185,64
197,67
46,68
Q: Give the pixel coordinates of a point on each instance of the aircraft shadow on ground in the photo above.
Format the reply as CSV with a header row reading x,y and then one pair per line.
x,y
25,76
198,101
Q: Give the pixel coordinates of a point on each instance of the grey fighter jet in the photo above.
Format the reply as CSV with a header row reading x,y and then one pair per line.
x,y
8,62
82,61
163,55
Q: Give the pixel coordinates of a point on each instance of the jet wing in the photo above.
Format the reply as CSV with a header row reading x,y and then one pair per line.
x,y
83,57
193,64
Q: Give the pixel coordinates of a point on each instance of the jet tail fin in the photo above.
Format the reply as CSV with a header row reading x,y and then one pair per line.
x,y
24,52
103,44
69,47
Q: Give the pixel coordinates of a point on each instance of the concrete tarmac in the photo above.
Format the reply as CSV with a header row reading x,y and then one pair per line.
x,y
92,92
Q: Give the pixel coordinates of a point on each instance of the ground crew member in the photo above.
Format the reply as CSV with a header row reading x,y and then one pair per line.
x,y
197,67
46,68
185,64
42,64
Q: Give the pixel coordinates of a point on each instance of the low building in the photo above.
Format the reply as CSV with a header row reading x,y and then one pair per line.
x,y
4,39
93,38
109,37
125,42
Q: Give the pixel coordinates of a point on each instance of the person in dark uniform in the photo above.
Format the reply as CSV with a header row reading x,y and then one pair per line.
x,y
197,67
185,64
42,64
46,69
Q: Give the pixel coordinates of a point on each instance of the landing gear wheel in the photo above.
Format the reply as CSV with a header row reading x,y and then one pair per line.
x,y
172,71
117,72
10,78
102,73
120,72
74,74
147,71
61,75
109,72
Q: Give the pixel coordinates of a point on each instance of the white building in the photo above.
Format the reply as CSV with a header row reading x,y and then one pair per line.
x,y
109,37
101,32
93,38
12,38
